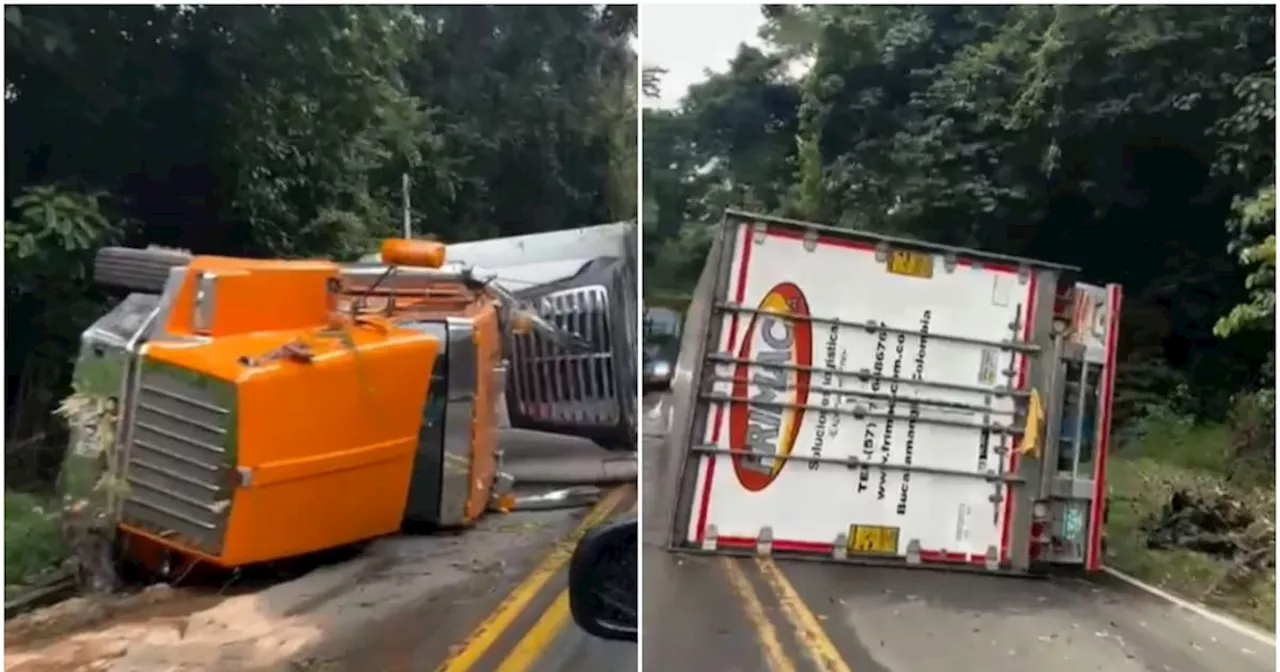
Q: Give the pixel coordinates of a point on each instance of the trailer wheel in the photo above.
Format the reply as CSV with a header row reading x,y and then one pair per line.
x,y
136,270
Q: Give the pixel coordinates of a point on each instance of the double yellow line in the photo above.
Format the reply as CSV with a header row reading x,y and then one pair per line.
x,y
813,639
817,646
535,642
543,632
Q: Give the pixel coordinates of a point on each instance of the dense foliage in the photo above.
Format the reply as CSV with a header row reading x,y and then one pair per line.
x,y
268,130
1136,142
1133,141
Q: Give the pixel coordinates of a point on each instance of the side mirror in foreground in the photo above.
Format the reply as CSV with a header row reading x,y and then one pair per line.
x,y
604,581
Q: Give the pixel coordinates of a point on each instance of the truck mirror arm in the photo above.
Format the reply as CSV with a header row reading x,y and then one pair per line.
x,y
515,311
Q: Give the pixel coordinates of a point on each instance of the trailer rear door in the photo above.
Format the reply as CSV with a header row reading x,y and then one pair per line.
x,y
859,398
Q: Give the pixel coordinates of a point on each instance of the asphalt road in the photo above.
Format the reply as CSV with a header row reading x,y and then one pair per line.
x,y
744,614
513,619
545,638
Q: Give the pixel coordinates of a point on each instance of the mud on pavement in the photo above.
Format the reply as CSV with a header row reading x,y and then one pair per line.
x,y
297,625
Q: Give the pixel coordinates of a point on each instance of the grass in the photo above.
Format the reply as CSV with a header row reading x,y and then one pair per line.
x,y
32,538
1172,454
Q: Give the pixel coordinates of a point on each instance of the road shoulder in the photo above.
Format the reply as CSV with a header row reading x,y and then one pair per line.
x,y
315,620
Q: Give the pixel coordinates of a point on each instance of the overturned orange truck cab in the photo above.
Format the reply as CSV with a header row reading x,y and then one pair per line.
x,y
260,409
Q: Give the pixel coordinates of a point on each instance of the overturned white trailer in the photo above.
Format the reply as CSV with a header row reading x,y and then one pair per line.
x,y
853,397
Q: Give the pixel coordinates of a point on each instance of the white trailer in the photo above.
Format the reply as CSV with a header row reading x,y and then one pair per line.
x,y
848,396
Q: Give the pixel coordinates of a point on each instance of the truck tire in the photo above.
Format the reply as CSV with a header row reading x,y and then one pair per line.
x,y
136,270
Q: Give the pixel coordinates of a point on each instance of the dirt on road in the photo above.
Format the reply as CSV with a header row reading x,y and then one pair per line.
x,y
164,629
297,624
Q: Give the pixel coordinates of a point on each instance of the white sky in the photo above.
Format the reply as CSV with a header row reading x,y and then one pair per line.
x,y
688,39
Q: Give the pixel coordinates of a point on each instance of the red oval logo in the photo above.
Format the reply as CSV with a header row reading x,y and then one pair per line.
x,y
762,433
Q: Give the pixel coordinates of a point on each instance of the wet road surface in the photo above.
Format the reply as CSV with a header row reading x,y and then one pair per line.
x,y
748,614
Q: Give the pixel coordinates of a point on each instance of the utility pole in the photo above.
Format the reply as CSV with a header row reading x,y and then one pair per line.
x,y
404,204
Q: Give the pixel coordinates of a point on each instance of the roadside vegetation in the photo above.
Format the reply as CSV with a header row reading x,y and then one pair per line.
x,y
33,539
271,131
1081,135
1189,515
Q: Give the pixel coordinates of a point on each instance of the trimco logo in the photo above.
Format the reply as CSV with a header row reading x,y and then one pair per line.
x,y
763,429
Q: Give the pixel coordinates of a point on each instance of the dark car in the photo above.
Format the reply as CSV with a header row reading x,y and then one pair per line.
x,y
657,367
661,345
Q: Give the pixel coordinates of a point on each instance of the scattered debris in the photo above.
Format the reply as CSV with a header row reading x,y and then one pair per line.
x,y
85,612
1233,529
89,488
563,498
1216,524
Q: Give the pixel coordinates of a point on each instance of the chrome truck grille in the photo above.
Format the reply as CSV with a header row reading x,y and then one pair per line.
x,y
549,384
181,457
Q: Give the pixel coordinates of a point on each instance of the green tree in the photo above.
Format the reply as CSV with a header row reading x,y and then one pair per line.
x,y
284,131
1082,135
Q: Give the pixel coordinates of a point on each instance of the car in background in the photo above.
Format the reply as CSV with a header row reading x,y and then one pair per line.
x,y
657,367
661,345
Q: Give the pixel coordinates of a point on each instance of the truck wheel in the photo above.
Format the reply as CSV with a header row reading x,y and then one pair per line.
x,y
136,270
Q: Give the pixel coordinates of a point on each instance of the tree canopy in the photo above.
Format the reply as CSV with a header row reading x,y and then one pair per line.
x,y
1134,141
284,131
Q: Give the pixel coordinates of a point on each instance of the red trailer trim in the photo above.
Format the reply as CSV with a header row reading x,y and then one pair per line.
x,y
738,291
1093,549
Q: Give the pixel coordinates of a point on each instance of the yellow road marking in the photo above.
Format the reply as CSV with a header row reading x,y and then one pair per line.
x,y
535,642
530,649
813,638
774,655
484,635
